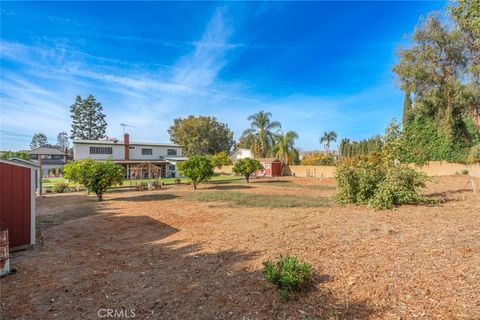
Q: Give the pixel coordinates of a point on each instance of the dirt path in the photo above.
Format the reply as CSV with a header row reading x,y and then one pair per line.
x,y
172,258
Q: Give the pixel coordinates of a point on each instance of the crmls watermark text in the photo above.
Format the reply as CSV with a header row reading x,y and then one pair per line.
x,y
116,313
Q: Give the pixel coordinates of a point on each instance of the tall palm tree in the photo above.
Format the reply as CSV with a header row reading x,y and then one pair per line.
x,y
285,149
262,129
328,138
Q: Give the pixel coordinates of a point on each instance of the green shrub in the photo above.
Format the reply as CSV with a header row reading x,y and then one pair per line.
x,y
474,154
95,176
221,159
464,171
288,274
347,183
381,181
401,186
247,167
60,187
198,168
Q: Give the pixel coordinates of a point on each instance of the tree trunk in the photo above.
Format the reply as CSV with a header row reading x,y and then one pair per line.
x,y
247,177
194,185
99,196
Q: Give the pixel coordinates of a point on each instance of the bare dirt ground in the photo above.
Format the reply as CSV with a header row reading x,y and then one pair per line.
x,y
169,257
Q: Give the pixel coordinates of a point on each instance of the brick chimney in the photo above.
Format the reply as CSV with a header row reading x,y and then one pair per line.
x,y
126,141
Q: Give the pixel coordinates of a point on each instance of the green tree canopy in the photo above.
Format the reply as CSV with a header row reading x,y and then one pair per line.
x,y
260,137
95,176
365,147
437,69
88,119
247,167
407,109
221,159
197,168
14,154
201,135
38,140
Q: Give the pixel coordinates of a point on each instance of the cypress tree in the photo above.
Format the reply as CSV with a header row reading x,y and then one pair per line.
x,y
407,109
88,120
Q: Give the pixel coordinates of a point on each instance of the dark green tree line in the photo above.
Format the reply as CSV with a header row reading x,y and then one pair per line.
x,y
365,147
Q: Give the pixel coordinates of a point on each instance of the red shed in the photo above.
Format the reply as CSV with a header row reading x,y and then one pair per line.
x,y
17,201
272,167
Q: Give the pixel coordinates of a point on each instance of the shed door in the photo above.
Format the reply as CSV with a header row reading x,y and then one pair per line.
x,y
15,198
276,169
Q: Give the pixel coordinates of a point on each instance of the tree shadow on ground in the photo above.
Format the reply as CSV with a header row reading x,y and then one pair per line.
x,y
147,197
448,196
62,211
271,181
138,262
448,193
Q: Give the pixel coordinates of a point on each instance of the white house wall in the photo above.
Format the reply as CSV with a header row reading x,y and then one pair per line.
x,y
241,154
82,151
158,152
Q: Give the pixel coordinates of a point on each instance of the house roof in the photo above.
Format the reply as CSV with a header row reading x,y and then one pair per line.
x,y
46,150
107,142
267,159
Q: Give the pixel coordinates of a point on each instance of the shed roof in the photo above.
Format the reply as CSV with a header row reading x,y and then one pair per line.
x,y
46,150
19,162
268,159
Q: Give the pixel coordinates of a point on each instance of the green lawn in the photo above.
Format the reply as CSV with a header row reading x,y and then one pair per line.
x,y
49,182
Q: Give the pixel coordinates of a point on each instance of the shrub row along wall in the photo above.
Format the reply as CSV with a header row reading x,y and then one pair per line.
x,y
432,168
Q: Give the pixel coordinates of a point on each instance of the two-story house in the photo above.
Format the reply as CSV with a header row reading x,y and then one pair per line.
x,y
138,158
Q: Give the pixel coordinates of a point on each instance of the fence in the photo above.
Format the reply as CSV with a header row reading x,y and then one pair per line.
x,y
432,168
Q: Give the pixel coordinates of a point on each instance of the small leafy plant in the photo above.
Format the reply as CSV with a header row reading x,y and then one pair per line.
x,y
60,187
288,274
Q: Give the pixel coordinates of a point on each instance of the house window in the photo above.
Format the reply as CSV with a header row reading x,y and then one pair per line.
x,y
101,150
172,152
147,152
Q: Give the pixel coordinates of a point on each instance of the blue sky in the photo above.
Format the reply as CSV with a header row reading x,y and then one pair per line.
x,y
316,66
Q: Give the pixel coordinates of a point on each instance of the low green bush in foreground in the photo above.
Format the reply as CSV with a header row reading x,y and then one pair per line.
x,y
288,274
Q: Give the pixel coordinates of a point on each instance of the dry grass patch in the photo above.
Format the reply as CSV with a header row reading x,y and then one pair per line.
x,y
261,200
290,184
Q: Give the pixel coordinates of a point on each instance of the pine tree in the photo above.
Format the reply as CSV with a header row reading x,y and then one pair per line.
x,y
407,109
88,119
38,140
